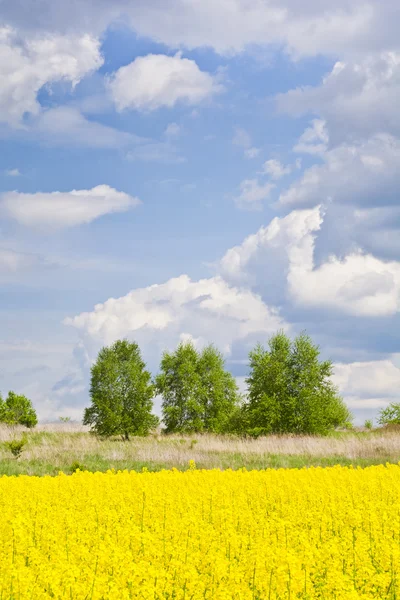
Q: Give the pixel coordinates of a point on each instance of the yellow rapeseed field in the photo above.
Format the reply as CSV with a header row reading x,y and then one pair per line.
x,y
287,534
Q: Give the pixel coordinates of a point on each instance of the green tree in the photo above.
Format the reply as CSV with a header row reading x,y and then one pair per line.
x,y
390,415
17,410
198,393
290,391
121,392
219,395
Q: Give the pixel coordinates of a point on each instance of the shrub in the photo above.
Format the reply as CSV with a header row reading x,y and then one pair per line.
x,y
16,447
77,466
17,410
390,415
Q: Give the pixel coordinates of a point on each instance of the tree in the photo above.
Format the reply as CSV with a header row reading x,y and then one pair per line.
x,y
219,392
390,415
121,392
290,389
17,410
198,393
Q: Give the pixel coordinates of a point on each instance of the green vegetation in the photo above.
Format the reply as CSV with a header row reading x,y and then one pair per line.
x,y
121,393
390,415
67,448
17,410
290,390
16,446
199,395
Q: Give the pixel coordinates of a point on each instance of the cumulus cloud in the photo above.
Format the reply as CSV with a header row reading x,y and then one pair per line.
x,y
306,28
208,310
358,284
57,210
358,99
157,80
27,64
363,174
368,384
314,140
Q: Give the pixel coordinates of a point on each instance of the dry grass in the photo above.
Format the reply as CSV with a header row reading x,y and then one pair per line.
x,y
55,447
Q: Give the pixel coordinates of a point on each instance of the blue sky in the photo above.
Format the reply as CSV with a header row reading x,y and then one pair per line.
x,y
211,171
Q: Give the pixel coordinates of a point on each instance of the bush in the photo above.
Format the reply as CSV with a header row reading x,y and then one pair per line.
x,y
368,424
390,415
17,410
16,447
76,466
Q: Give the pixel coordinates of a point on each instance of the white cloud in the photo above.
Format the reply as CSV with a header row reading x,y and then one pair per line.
x,y
56,210
252,194
304,28
369,384
65,125
209,309
157,80
314,140
357,99
283,253
27,64
275,169
361,174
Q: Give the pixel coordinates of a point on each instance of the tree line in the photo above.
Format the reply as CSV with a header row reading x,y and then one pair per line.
x,y
289,391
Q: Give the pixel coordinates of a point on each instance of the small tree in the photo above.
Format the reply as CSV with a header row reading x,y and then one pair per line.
x,y
17,410
390,415
121,392
290,389
198,393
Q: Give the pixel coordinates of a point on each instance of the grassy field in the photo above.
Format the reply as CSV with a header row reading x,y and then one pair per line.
x,y
56,447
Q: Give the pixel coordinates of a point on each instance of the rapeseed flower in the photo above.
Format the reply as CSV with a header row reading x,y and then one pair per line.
x,y
235,535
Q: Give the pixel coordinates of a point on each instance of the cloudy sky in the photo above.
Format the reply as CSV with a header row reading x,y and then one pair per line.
x,y
212,170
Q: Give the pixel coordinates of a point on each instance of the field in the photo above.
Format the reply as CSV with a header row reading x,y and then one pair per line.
x,y
54,448
329,533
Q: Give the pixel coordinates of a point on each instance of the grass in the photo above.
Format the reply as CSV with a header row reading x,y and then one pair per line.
x,y
56,447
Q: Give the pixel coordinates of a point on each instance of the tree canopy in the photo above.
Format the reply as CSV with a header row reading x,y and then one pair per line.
x,y
290,391
198,393
121,393
17,410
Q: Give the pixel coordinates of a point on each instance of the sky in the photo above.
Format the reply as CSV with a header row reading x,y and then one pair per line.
x,y
205,170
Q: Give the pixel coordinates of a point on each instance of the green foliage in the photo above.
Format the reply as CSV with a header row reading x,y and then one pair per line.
x,y
290,390
76,466
368,424
16,446
121,393
199,395
65,419
390,415
17,410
